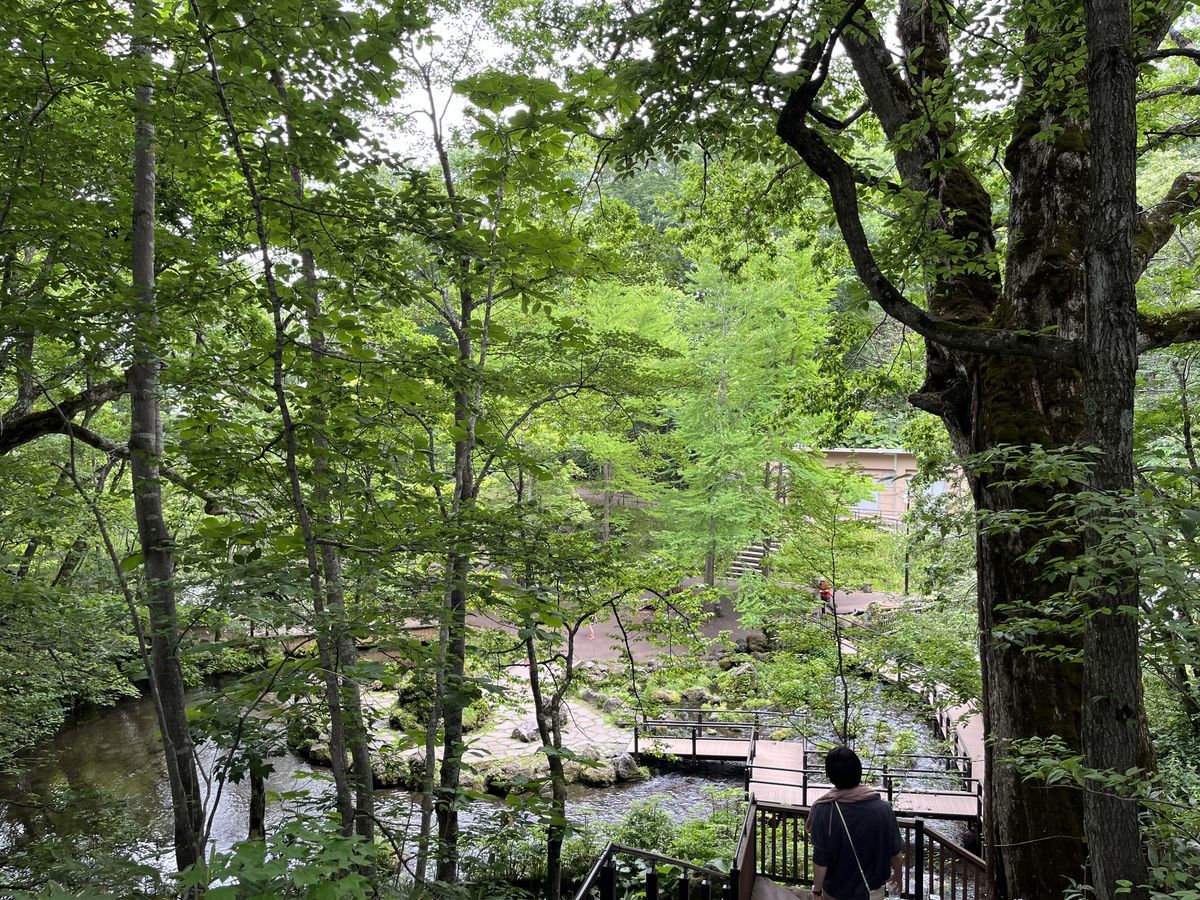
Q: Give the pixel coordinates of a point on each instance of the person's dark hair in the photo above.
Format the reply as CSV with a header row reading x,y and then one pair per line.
x,y
843,767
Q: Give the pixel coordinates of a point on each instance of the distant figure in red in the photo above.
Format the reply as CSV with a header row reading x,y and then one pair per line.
x,y
825,591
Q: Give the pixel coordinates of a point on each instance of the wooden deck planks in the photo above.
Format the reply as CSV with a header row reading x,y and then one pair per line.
x,y
776,775
935,806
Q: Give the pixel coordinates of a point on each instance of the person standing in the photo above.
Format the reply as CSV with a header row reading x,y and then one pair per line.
x,y
855,839
825,591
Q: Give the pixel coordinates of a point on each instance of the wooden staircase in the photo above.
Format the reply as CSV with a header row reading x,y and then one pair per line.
x,y
753,558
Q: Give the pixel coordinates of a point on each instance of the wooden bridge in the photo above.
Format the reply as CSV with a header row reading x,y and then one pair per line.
x,y
790,774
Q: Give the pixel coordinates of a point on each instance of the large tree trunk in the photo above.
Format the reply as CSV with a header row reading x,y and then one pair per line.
x,y
1045,358
1033,832
145,446
1115,736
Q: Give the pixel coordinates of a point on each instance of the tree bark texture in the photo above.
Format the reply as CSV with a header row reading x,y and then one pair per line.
x,y
1115,735
145,446
1064,281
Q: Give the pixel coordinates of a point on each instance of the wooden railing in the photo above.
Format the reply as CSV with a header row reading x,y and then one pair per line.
x,y
813,782
695,716
706,724
934,865
620,867
745,856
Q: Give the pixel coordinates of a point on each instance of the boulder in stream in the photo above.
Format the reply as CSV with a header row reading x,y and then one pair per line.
x,y
601,773
627,769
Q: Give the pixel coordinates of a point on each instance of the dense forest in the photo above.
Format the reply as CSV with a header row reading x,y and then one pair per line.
x,y
405,404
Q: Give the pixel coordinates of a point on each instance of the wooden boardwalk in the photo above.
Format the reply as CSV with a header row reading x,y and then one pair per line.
x,y
961,724
777,773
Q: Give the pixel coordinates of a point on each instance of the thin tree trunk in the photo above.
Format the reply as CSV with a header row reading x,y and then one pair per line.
x,y
546,715
72,560
356,731
145,446
27,558
429,775
257,827
1185,414
326,649
605,522
459,557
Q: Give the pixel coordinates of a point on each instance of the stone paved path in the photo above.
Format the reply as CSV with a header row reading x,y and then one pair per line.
x,y
587,730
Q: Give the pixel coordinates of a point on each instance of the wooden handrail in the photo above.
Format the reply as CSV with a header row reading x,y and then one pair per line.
x,y
934,865
596,877
744,870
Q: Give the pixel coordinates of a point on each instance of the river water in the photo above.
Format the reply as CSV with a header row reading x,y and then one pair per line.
x,y
100,785
105,777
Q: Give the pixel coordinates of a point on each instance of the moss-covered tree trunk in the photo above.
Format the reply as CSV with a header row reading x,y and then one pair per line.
x,y
1044,355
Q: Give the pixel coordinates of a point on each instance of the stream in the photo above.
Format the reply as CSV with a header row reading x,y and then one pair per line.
x,y
98,787
106,777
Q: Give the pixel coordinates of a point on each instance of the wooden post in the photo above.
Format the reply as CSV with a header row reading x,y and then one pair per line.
x,y
685,887
608,881
919,863
652,883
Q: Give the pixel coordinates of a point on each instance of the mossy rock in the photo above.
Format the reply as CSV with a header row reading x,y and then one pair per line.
x,y
516,774
602,774
697,696
392,769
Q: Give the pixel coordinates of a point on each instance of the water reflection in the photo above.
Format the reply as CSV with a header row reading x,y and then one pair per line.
x,y
101,786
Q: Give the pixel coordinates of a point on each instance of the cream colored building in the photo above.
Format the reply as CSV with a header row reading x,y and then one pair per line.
x,y
892,471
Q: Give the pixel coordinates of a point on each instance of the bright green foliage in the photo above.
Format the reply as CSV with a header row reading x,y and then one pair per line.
x,y
750,340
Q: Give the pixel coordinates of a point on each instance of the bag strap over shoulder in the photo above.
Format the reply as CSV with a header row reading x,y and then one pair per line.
x,y
857,861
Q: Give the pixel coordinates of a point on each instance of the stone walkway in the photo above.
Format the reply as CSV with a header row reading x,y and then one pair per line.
x,y
587,730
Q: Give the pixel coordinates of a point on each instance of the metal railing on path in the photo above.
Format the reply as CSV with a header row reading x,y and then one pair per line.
x,y
774,843
680,880
934,866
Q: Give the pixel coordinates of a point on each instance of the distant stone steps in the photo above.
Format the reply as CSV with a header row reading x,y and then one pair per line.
x,y
752,558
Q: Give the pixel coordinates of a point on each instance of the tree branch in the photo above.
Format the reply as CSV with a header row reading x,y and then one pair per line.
x,y
1156,24
839,176
1159,330
18,428
890,97
1178,90
212,503
1186,52
1188,129
1158,223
